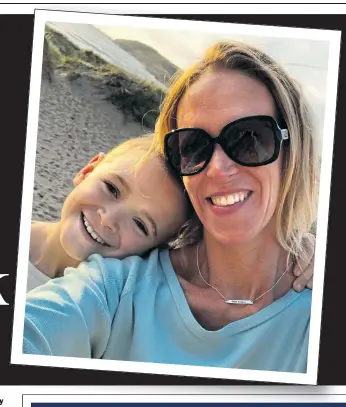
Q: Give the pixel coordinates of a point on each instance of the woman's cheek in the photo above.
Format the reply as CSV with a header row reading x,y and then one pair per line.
x,y
191,187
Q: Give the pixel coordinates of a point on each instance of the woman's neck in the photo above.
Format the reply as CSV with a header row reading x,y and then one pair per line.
x,y
245,271
46,252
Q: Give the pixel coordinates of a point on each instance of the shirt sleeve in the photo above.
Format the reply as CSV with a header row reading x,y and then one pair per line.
x,y
35,277
72,315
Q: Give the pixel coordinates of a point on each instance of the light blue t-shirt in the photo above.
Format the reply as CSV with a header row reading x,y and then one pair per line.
x,y
135,310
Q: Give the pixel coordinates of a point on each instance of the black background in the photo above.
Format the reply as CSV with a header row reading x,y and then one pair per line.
x,y
16,33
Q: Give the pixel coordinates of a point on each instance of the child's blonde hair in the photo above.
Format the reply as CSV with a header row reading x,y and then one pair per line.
x,y
145,149
135,145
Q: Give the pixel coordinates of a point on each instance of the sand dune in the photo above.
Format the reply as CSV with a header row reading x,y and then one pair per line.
x,y
75,123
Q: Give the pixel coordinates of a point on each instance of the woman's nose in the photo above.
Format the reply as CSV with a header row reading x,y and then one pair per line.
x,y
109,219
221,167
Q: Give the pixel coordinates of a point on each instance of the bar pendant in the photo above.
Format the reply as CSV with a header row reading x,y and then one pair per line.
x,y
239,302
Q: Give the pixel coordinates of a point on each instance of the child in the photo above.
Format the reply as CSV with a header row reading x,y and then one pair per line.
x,y
124,203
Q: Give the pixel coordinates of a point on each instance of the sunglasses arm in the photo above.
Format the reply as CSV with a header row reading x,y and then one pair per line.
x,y
284,134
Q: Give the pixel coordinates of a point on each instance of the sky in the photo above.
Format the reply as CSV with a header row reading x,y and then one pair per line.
x,y
184,47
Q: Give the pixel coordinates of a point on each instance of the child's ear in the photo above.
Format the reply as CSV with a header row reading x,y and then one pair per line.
x,y
99,157
88,169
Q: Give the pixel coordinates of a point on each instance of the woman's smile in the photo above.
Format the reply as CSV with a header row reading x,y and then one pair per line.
x,y
228,199
226,204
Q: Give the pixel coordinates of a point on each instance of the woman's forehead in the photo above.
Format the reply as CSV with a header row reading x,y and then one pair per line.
x,y
225,92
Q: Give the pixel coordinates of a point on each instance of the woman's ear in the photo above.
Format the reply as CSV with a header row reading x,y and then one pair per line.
x,y
88,169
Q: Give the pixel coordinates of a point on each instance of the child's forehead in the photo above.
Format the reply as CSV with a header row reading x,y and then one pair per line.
x,y
149,179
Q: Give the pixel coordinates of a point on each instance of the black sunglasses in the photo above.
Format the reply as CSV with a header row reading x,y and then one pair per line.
x,y
250,141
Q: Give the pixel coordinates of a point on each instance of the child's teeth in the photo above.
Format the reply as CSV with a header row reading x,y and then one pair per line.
x,y
91,232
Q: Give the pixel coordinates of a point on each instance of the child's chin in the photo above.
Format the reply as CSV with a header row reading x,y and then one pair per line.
x,y
79,255
79,258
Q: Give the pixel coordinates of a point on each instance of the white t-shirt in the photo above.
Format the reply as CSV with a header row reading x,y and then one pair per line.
x,y
35,278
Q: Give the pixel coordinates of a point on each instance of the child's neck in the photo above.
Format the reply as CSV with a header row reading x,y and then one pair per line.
x,y
46,252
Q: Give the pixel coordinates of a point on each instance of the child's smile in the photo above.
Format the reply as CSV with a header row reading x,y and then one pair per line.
x,y
91,232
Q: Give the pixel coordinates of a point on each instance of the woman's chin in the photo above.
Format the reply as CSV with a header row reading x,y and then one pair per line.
x,y
229,237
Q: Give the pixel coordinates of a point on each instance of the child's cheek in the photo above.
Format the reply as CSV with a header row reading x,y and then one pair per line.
x,y
92,193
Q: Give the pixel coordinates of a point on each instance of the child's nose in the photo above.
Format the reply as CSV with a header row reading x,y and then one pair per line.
x,y
109,219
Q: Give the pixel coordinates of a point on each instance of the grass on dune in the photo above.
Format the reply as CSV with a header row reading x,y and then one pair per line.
x,y
135,97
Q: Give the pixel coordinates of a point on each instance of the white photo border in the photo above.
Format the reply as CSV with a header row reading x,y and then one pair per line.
x,y
44,16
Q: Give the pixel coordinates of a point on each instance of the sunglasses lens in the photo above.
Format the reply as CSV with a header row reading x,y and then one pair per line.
x,y
188,150
250,142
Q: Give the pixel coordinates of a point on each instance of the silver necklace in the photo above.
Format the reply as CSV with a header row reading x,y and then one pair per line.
x,y
244,302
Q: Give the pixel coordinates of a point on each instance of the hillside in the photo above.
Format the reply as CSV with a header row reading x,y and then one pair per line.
x,y
88,37
154,62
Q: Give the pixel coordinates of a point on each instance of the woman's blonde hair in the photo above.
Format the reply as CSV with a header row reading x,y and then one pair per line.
x,y
297,204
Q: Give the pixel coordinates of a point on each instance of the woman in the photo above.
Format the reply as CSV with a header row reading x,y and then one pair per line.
x,y
226,299
254,190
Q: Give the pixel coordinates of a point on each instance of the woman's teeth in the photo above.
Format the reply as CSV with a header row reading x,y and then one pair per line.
x,y
228,200
92,233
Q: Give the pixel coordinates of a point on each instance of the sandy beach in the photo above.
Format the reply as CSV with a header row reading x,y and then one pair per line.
x,y
75,123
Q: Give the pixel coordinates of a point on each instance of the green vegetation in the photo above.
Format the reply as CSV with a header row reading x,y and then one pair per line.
x,y
136,98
